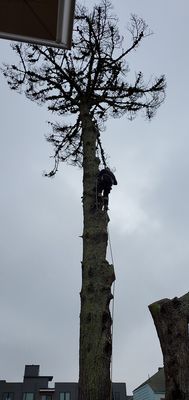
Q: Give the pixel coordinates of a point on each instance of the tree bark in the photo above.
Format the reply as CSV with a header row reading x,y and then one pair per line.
x,y
97,278
171,319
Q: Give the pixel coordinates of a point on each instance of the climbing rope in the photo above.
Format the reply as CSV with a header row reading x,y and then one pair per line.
x,y
112,330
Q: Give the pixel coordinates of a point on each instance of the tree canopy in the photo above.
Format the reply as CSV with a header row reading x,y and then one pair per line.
x,y
95,72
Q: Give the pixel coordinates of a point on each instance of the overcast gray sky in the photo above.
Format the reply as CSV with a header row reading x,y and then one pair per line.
x,y
41,219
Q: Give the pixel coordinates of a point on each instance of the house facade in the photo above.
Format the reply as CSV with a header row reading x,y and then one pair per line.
x,y
36,387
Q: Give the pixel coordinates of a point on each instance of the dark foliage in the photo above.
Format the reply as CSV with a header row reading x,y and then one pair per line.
x,y
95,72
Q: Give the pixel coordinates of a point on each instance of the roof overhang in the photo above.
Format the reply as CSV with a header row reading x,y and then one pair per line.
x,y
45,22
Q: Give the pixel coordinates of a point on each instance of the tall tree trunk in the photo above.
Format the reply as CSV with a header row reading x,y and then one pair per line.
x,y
171,319
97,278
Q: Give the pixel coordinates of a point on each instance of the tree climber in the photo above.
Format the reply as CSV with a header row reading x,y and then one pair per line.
x,y
105,180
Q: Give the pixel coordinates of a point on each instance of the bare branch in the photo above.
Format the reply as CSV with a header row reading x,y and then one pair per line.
x,y
95,72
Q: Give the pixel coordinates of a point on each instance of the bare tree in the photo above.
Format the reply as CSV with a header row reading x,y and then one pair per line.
x,y
171,319
88,84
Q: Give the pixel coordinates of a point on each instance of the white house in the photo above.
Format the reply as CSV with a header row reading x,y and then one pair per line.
x,y
152,389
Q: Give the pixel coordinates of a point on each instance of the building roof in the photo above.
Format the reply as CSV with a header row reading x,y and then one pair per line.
x,y
32,372
156,382
34,383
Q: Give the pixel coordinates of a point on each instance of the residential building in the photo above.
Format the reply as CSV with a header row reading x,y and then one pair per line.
x,y
152,389
36,387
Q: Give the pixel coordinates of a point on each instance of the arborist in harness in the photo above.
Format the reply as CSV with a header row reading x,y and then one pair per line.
x,y
105,180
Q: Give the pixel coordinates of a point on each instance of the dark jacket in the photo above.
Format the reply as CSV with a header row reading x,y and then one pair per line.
x,y
107,176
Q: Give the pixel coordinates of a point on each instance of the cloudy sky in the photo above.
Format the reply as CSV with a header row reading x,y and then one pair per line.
x,y
41,219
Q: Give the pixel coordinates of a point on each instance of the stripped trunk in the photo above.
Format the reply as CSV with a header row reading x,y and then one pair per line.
x,y
97,278
171,319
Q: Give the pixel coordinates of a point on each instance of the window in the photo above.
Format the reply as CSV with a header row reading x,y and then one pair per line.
x,y
28,396
65,396
116,396
8,396
46,397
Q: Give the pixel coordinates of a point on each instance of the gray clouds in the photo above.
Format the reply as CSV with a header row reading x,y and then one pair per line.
x,y
41,219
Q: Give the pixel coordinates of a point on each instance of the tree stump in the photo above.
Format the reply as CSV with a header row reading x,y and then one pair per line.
x,y
171,319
